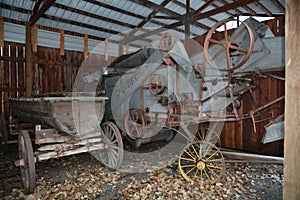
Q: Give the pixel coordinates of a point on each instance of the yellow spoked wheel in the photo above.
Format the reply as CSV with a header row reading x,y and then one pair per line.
x,y
201,160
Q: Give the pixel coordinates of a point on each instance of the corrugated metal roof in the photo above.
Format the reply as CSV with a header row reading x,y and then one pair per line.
x,y
16,33
176,8
109,18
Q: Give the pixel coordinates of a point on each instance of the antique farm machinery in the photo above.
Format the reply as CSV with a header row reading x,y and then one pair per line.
x,y
163,90
154,94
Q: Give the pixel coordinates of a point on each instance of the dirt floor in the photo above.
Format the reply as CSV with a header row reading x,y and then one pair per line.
x,y
83,177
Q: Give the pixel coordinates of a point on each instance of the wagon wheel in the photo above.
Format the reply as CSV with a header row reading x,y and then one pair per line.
x,y
208,135
112,156
228,45
156,84
135,123
201,160
203,134
27,164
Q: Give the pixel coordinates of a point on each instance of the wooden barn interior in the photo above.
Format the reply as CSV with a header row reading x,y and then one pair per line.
x,y
44,43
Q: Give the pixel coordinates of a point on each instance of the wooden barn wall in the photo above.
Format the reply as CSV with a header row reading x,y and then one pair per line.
x,y
53,73
241,135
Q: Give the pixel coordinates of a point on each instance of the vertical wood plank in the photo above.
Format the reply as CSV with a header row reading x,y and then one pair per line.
x,y
239,131
106,50
86,39
28,61
1,80
13,81
6,82
34,38
68,71
121,49
292,104
127,49
21,69
1,32
59,73
62,42
46,70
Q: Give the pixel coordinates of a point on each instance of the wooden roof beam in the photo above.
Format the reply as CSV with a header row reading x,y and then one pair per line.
x,y
263,8
235,10
152,14
92,15
208,3
104,5
279,5
200,9
252,12
159,8
189,15
224,8
40,12
46,28
197,17
166,11
152,32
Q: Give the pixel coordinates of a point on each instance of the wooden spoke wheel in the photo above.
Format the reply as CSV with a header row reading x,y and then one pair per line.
x,y
201,160
156,84
135,123
112,155
208,135
229,46
27,164
204,134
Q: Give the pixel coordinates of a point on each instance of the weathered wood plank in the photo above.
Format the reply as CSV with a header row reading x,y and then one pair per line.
x,y
13,77
1,32
29,72
292,104
21,69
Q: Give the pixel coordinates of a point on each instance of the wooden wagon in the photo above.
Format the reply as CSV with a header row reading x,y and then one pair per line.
x,y
64,126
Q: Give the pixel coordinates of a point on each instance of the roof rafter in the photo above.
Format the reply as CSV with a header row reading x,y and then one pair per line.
x,y
279,5
208,3
152,32
263,8
89,14
152,14
169,12
66,32
104,5
39,12
224,8
193,10
68,21
159,8
197,17
252,12
235,10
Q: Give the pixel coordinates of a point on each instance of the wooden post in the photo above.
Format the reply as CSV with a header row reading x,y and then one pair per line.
x,y
62,42
121,49
187,26
106,50
127,49
34,38
28,58
291,189
1,32
86,38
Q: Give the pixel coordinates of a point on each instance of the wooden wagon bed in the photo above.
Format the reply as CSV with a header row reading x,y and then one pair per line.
x,y
76,116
